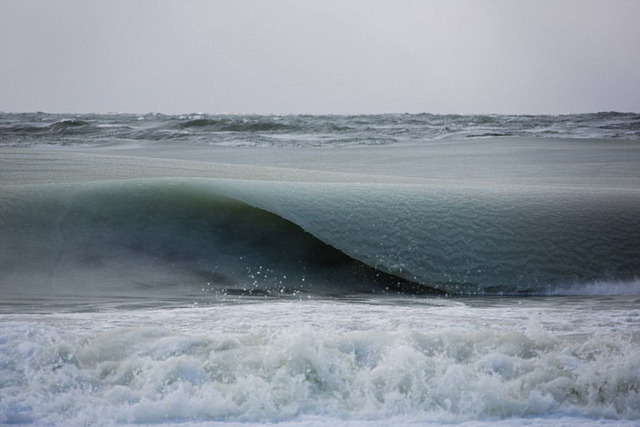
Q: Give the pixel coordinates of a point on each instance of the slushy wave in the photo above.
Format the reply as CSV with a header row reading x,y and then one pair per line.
x,y
166,238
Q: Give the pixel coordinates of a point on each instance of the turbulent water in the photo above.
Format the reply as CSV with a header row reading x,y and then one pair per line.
x,y
366,270
299,130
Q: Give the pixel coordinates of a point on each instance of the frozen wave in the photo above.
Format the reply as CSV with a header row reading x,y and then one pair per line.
x,y
461,239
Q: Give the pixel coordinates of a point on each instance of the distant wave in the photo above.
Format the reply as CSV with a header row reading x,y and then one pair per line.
x,y
65,127
302,130
234,124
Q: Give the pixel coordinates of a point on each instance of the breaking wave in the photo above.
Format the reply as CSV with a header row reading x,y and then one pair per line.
x,y
274,374
170,241
173,238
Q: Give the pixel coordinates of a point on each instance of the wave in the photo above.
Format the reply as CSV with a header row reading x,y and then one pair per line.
x,y
65,127
185,238
234,124
169,240
302,130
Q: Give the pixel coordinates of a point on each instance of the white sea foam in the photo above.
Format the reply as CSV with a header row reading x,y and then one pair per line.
x,y
395,360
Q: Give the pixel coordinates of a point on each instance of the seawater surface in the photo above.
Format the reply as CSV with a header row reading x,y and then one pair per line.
x,y
307,270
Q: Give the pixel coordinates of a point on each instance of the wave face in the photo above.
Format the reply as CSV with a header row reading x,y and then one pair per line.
x,y
167,240
268,131
183,238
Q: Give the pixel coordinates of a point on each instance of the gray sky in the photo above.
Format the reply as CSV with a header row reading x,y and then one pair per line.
x,y
272,56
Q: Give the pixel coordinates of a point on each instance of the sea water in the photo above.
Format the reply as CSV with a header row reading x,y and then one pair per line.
x,y
307,270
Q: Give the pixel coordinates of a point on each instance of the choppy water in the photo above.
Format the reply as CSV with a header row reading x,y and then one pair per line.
x,y
567,361
320,269
296,130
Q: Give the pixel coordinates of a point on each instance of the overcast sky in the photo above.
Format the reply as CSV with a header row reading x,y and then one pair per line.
x,y
344,56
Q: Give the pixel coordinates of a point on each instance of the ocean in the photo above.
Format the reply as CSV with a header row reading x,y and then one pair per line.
x,y
405,269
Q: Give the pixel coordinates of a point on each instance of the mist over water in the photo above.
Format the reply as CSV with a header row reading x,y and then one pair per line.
x,y
367,270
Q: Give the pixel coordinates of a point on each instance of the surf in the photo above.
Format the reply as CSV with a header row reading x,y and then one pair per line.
x,y
210,269
377,362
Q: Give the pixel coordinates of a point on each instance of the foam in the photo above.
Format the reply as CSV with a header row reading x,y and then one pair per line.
x,y
244,365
